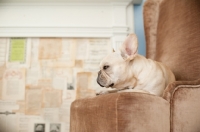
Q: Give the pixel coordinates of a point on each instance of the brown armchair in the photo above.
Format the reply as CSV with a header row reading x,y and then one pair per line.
x,y
172,29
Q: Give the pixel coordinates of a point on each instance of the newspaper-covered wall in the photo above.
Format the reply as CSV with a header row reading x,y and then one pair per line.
x,y
40,77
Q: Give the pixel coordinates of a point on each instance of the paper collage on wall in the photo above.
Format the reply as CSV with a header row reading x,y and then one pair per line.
x,y
41,77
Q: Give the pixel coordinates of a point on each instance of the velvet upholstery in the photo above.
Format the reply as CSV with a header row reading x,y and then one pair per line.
x,y
178,46
151,13
172,29
184,99
178,37
121,112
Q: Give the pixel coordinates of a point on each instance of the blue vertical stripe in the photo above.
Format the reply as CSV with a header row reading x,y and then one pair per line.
x,y
139,28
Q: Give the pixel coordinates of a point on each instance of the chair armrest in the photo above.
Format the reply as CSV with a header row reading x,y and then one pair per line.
x,y
120,112
184,98
173,87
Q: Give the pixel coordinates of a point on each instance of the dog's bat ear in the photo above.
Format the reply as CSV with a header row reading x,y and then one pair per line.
x,y
130,47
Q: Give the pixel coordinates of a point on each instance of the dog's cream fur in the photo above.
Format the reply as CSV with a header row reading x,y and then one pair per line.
x,y
128,69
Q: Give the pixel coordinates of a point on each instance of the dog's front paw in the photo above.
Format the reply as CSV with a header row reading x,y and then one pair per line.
x,y
102,92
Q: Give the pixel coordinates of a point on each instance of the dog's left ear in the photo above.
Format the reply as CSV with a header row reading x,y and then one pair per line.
x,y
130,47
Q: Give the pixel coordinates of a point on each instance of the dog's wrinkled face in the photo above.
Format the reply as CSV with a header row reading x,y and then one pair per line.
x,y
114,67
111,69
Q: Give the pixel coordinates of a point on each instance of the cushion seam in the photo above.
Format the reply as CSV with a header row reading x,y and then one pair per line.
x,y
116,104
171,100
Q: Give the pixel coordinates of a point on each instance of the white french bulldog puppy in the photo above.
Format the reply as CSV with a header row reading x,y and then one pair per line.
x,y
129,71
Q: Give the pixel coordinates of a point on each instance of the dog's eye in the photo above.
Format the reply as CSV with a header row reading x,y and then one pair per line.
x,y
105,67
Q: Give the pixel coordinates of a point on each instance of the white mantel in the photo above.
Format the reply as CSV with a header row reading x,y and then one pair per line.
x,y
67,18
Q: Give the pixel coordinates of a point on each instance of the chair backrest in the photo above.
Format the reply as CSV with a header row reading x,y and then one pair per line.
x,y
178,37
150,13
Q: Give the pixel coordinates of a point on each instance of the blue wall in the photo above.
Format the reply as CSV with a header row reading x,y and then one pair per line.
x,y
139,28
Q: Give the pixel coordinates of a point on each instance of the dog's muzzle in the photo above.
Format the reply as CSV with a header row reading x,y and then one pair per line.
x,y
99,83
101,80
112,84
98,78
